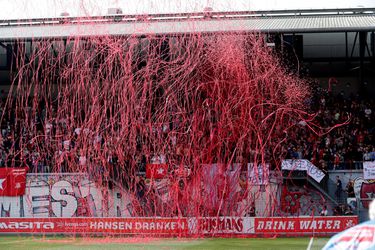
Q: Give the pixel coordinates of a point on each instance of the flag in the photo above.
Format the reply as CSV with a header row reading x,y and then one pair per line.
x,y
360,236
12,181
156,171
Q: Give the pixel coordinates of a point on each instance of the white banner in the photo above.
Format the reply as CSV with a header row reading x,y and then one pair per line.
x,y
369,170
258,175
65,195
303,165
219,179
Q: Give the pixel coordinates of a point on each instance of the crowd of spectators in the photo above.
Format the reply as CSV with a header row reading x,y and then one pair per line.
x,y
52,149
344,147
339,210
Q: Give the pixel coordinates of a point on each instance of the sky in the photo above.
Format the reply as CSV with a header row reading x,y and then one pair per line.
x,y
22,9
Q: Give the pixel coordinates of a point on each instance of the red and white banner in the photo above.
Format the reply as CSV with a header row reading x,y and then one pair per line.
x,y
12,181
155,226
304,225
156,171
181,226
290,200
364,191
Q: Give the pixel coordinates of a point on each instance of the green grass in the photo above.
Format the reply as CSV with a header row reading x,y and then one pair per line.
x,y
56,243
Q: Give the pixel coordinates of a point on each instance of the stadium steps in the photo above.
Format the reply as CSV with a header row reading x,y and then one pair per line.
x,y
323,188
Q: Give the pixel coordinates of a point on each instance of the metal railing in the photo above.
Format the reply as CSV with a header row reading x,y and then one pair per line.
x,y
345,165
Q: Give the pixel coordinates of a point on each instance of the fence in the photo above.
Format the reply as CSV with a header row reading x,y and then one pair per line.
x,y
345,165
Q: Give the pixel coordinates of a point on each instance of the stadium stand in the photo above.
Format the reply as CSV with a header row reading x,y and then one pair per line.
x,y
338,142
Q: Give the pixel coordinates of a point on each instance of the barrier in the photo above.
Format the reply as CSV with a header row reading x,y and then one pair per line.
x,y
214,226
155,226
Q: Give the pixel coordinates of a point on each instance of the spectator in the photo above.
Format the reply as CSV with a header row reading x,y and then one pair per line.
x,y
350,189
348,210
338,188
251,212
367,156
324,211
337,160
337,211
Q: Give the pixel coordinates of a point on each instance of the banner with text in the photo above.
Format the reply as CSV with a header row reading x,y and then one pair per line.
x,y
258,174
222,225
369,170
181,226
12,181
304,225
303,165
155,226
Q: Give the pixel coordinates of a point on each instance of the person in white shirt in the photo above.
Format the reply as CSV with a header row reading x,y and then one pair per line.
x,y
324,212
